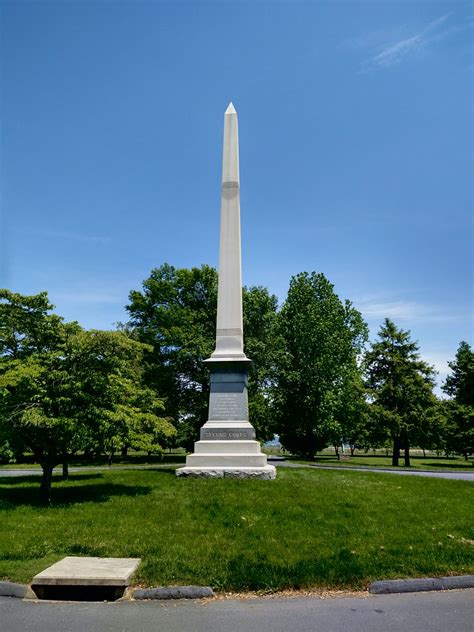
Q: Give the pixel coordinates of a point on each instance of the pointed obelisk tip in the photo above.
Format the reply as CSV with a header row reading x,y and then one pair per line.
x,y
230,109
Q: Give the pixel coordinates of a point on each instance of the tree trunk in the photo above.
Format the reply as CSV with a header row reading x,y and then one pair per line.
x,y
396,452
46,479
336,450
352,447
424,453
65,466
466,458
89,455
124,450
110,456
407,454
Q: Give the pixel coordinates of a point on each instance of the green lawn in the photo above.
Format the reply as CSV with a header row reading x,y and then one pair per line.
x,y
308,528
78,460
417,462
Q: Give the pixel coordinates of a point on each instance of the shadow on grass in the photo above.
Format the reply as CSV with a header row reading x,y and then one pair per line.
x,y
34,479
452,466
131,459
66,495
256,573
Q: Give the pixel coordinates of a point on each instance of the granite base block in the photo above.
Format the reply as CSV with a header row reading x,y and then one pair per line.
x,y
267,473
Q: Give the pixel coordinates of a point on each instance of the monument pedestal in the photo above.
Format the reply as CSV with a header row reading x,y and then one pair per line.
x,y
227,447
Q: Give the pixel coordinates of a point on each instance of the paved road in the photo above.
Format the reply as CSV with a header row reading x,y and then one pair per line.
x,y
460,476
415,612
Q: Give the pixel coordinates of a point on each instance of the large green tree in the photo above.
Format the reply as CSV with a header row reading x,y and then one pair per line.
x,y
63,389
175,314
319,340
400,385
459,386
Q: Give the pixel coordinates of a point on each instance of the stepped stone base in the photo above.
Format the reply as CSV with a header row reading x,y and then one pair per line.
x,y
267,472
227,446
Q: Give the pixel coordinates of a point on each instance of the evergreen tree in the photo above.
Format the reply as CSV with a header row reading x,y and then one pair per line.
x,y
400,385
459,385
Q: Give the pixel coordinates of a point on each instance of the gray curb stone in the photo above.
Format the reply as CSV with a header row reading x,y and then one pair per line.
x,y
173,592
10,589
421,585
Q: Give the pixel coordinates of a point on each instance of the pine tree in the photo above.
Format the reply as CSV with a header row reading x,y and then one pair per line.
x,y
459,385
400,385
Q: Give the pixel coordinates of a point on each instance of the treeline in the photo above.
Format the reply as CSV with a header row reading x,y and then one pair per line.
x,y
315,380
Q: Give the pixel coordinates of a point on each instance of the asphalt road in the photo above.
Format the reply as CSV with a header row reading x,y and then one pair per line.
x,y
451,611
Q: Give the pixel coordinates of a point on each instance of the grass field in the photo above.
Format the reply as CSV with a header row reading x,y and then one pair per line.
x,y
308,528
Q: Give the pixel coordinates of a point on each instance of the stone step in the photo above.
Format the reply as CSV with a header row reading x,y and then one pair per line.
x,y
227,447
221,460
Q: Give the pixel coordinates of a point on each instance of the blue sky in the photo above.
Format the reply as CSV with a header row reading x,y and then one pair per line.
x,y
356,151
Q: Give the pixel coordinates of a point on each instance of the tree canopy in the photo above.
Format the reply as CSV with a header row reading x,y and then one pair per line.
x,y
63,389
319,340
175,314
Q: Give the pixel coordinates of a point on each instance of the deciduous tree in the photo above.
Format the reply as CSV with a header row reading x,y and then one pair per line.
x,y
63,389
320,338
175,314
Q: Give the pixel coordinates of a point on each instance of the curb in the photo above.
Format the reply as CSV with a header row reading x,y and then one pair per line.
x,y
173,592
382,587
10,589
423,584
23,591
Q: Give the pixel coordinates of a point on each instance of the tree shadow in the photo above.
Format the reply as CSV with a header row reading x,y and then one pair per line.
x,y
35,479
468,466
131,459
12,496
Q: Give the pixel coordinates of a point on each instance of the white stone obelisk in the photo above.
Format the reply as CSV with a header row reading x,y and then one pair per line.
x,y
229,333
227,447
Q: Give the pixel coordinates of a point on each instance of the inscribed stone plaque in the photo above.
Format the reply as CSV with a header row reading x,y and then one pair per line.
x,y
228,406
227,434
228,400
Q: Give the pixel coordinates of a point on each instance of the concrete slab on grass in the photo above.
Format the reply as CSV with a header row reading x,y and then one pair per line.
x,y
88,571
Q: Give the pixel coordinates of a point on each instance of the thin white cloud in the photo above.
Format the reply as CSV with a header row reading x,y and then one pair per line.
x,y
392,54
376,309
439,361
74,236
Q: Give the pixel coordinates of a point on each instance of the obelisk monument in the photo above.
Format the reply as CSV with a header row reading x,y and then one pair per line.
x,y
227,447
